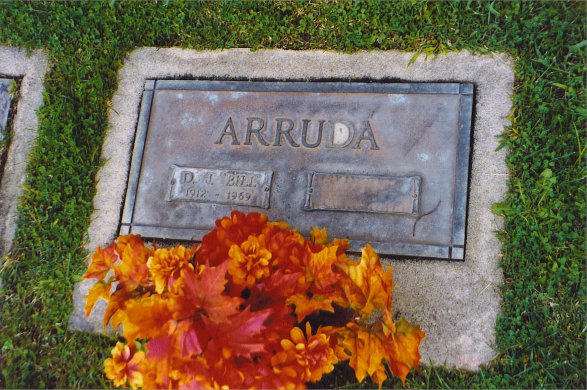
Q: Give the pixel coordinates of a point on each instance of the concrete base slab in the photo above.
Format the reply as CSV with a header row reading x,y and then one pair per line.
x,y
31,69
456,303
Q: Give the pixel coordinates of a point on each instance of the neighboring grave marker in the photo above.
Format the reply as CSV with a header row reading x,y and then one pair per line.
x,y
5,101
379,163
29,69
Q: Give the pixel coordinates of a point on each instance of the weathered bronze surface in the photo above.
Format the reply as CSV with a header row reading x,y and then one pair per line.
x,y
5,100
375,162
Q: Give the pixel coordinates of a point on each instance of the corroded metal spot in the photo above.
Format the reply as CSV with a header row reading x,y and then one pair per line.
x,y
363,193
220,186
379,163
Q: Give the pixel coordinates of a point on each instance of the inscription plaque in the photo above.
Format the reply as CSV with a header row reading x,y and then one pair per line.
x,y
384,163
5,100
245,188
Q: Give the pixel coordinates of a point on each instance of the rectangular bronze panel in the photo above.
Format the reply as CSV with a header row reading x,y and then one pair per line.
x,y
384,163
363,193
221,186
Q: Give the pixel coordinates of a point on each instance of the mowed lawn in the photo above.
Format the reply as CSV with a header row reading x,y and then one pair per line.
x,y
541,331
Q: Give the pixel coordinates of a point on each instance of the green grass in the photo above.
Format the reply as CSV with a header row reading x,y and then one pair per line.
x,y
541,331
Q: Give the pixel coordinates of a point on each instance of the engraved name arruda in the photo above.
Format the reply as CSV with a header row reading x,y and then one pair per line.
x,y
221,186
305,133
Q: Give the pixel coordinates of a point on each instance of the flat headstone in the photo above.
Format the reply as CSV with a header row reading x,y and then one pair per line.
x,y
455,302
383,163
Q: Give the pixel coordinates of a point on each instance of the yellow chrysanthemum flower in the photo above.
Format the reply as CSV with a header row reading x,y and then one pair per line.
x,y
311,356
249,262
165,266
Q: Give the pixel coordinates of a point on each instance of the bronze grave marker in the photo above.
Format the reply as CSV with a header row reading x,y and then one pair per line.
x,y
384,163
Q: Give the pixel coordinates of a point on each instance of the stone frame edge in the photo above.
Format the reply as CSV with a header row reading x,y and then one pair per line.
x,y
32,69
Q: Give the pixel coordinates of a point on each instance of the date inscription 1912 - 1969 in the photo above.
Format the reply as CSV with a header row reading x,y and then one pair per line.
x,y
236,187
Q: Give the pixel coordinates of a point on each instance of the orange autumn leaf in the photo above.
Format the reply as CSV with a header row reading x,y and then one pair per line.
x,y
137,246
102,261
147,317
404,354
319,236
305,306
368,350
132,271
367,286
116,303
342,244
99,290
319,272
373,337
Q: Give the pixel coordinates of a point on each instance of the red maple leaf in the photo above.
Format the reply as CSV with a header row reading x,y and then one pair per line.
x,y
242,334
202,296
159,353
188,341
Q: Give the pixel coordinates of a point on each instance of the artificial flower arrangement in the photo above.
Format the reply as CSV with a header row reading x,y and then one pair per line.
x,y
254,305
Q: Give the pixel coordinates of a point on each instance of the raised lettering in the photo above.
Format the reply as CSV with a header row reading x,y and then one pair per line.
x,y
255,131
341,135
186,177
248,188
228,130
366,135
280,132
306,122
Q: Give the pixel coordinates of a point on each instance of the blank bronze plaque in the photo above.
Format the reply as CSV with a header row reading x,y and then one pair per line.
x,y
383,163
371,194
